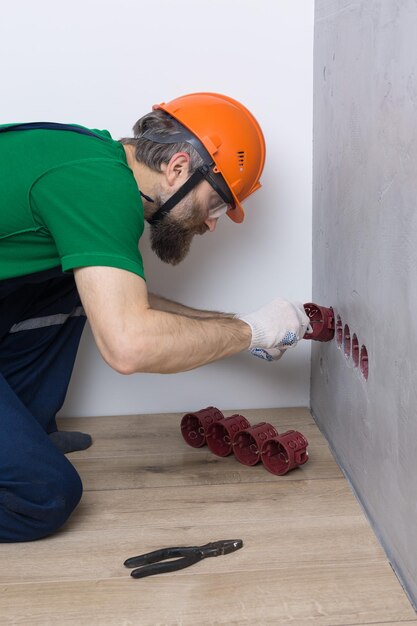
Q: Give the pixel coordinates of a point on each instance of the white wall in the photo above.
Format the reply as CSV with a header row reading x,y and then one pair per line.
x,y
103,64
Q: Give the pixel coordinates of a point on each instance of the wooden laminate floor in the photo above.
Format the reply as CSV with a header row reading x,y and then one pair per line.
x,y
309,555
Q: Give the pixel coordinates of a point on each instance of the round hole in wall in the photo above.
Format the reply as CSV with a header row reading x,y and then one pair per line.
x,y
355,350
363,362
346,341
339,330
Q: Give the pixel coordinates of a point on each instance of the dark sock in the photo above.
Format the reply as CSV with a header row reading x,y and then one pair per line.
x,y
68,441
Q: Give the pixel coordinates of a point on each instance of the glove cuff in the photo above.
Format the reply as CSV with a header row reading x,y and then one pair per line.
x,y
258,334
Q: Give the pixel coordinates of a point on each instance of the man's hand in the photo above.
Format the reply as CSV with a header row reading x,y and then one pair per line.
x,y
279,324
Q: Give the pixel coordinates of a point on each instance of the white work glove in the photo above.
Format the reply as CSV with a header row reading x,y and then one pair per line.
x,y
279,324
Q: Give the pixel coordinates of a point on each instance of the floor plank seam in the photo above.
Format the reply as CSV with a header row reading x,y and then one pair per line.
x,y
181,485
379,623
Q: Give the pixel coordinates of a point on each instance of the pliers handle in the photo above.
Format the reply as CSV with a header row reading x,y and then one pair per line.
x,y
150,563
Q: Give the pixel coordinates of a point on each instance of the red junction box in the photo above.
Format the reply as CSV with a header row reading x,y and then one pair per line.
x,y
247,444
220,434
285,452
194,425
321,320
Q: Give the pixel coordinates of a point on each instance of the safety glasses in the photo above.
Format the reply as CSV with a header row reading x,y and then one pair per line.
x,y
217,212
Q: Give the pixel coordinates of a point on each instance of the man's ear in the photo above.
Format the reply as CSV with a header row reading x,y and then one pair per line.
x,y
178,168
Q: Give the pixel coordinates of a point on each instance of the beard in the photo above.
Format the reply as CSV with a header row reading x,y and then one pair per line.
x,y
171,240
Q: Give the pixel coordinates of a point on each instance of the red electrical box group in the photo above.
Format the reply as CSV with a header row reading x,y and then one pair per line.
x,y
279,453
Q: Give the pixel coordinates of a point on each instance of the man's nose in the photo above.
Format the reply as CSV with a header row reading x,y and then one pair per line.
x,y
211,223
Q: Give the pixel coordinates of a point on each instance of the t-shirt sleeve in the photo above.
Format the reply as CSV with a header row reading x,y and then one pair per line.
x,y
94,212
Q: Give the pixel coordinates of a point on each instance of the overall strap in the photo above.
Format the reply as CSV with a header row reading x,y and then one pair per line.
x,y
50,126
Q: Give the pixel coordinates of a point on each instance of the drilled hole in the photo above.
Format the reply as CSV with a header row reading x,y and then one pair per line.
x,y
339,330
363,362
346,341
355,351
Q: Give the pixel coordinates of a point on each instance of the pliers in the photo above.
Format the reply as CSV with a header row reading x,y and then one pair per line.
x,y
149,564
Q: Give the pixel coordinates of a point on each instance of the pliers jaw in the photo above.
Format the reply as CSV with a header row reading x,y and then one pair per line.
x,y
216,548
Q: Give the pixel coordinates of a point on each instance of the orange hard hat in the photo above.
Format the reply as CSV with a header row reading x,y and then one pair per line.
x,y
232,137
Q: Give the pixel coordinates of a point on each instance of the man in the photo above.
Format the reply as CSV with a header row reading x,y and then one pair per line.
x,y
74,203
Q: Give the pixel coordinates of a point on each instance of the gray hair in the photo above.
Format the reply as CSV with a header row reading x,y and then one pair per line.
x,y
153,154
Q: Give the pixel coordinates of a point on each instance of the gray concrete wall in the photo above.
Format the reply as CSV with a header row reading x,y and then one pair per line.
x,y
365,256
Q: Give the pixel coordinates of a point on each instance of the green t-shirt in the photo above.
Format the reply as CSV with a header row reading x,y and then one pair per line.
x,y
66,199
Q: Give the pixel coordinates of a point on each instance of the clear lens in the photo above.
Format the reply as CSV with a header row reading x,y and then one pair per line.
x,y
217,212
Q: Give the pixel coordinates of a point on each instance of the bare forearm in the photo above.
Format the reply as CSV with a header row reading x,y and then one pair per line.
x,y
134,337
168,343
158,303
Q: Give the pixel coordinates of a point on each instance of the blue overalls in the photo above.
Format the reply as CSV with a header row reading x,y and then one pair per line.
x,y
41,322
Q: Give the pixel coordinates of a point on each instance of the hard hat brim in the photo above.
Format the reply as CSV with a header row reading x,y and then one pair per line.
x,y
236,214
